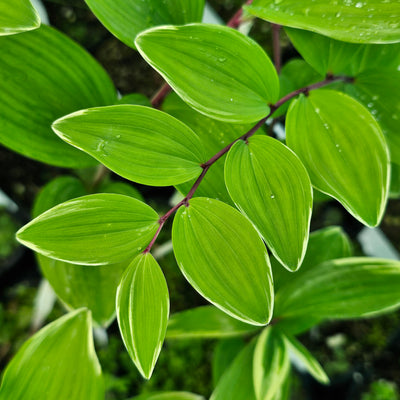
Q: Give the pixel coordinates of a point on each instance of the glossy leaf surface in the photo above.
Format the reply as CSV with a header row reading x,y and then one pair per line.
x,y
139,143
297,350
346,157
205,322
254,175
214,136
36,371
345,288
271,364
237,381
99,229
367,21
18,17
78,286
223,258
208,66
126,18
142,311
45,71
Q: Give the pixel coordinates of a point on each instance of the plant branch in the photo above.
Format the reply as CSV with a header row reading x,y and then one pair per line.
x,y
206,166
236,20
276,46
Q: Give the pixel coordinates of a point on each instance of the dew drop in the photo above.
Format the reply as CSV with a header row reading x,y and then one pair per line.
x,y
359,5
222,59
370,105
118,136
272,196
338,14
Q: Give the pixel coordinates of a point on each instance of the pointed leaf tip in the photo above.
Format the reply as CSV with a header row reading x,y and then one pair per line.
x,y
142,310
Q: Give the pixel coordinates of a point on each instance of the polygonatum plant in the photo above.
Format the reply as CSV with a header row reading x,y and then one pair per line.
x,y
241,231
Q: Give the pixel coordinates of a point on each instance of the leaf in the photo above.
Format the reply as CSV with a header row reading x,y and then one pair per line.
x,y
237,381
19,17
223,258
214,136
303,356
344,288
36,372
92,230
346,157
327,55
126,18
207,65
254,173
142,311
169,396
78,286
271,364
205,322
139,143
324,244
45,71
367,21
224,353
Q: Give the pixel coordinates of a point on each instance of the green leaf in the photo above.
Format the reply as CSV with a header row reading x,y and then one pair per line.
x,y
78,286
214,136
324,244
44,75
139,143
98,229
58,362
345,288
224,353
205,322
327,55
237,381
18,17
223,258
169,396
142,311
367,21
208,66
346,157
254,172
271,364
303,356
126,18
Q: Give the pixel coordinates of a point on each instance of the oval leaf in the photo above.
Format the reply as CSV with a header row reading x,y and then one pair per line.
x,y
208,66
346,157
345,288
139,143
221,255
254,175
45,71
58,362
142,311
126,18
364,21
271,364
18,17
92,230
205,322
